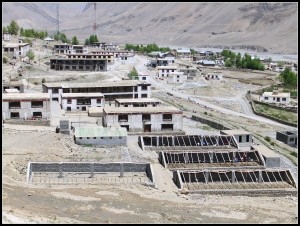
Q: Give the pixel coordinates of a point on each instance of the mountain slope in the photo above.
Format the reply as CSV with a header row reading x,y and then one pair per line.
x,y
270,25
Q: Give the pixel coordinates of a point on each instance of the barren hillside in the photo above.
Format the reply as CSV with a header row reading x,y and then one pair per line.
x,y
269,25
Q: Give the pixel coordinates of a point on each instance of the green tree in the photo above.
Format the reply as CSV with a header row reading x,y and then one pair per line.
x,y
30,55
133,74
93,39
87,41
22,31
13,28
27,40
4,29
288,78
75,41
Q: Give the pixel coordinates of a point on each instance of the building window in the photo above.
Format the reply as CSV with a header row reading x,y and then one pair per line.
x,y
167,117
101,137
88,138
120,137
37,114
266,98
146,117
110,137
80,138
98,101
123,118
14,105
144,95
55,90
240,139
166,126
14,115
94,137
144,87
68,108
143,78
69,101
292,139
247,138
283,99
136,96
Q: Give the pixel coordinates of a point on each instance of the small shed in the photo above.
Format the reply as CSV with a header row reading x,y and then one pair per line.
x,y
97,135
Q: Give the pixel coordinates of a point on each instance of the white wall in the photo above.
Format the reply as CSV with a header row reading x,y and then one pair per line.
x,y
272,99
74,105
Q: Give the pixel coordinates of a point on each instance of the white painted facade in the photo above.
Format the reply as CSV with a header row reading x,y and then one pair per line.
x,y
141,119
6,36
275,97
214,76
127,58
81,101
25,106
164,71
18,49
177,78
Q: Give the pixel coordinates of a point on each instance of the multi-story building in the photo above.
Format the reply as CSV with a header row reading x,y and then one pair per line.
x,y
13,85
108,56
164,71
81,101
78,64
25,105
17,49
111,90
63,48
144,119
143,102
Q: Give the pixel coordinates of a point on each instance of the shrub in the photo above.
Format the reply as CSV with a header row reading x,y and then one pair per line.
x,y
36,83
43,80
293,153
267,138
4,60
205,112
272,143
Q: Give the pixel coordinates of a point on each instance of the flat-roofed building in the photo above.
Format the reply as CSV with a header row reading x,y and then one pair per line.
x,y
63,48
78,64
6,36
116,53
81,101
275,97
17,49
177,78
164,71
25,105
144,119
110,89
144,102
242,137
288,137
108,56
127,58
214,76
79,49
107,136
272,159
13,85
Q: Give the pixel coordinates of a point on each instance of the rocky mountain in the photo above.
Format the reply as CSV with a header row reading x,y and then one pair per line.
x,y
271,27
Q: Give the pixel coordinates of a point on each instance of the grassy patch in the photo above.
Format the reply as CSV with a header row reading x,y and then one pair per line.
x,y
293,153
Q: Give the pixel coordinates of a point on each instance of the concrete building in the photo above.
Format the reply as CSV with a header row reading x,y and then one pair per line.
x,y
78,64
143,77
144,102
48,39
62,48
243,138
272,159
214,76
164,71
110,46
79,49
183,53
110,89
107,136
6,36
11,91
108,56
116,53
144,119
288,137
81,101
13,85
275,97
127,58
177,78
17,49
25,105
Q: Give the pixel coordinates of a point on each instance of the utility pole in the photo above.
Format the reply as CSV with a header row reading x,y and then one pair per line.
x,y
57,17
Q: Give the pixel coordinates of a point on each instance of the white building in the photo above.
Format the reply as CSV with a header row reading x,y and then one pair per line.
x,y
79,49
25,105
275,97
177,77
242,138
17,49
214,76
144,119
183,53
127,58
63,48
81,101
108,136
164,71
110,89
144,102
6,36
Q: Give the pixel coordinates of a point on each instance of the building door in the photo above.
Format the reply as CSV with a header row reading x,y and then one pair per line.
x,y
147,128
126,126
83,108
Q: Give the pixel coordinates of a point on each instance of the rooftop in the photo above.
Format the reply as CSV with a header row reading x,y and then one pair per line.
x,y
233,132
141,110
25,96
97,84
14,45
276,94
66,95
12,91
167,67
19,82
265,151
100,132
140,100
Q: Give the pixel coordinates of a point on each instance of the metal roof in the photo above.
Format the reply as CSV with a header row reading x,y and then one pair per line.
x,y
100,131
